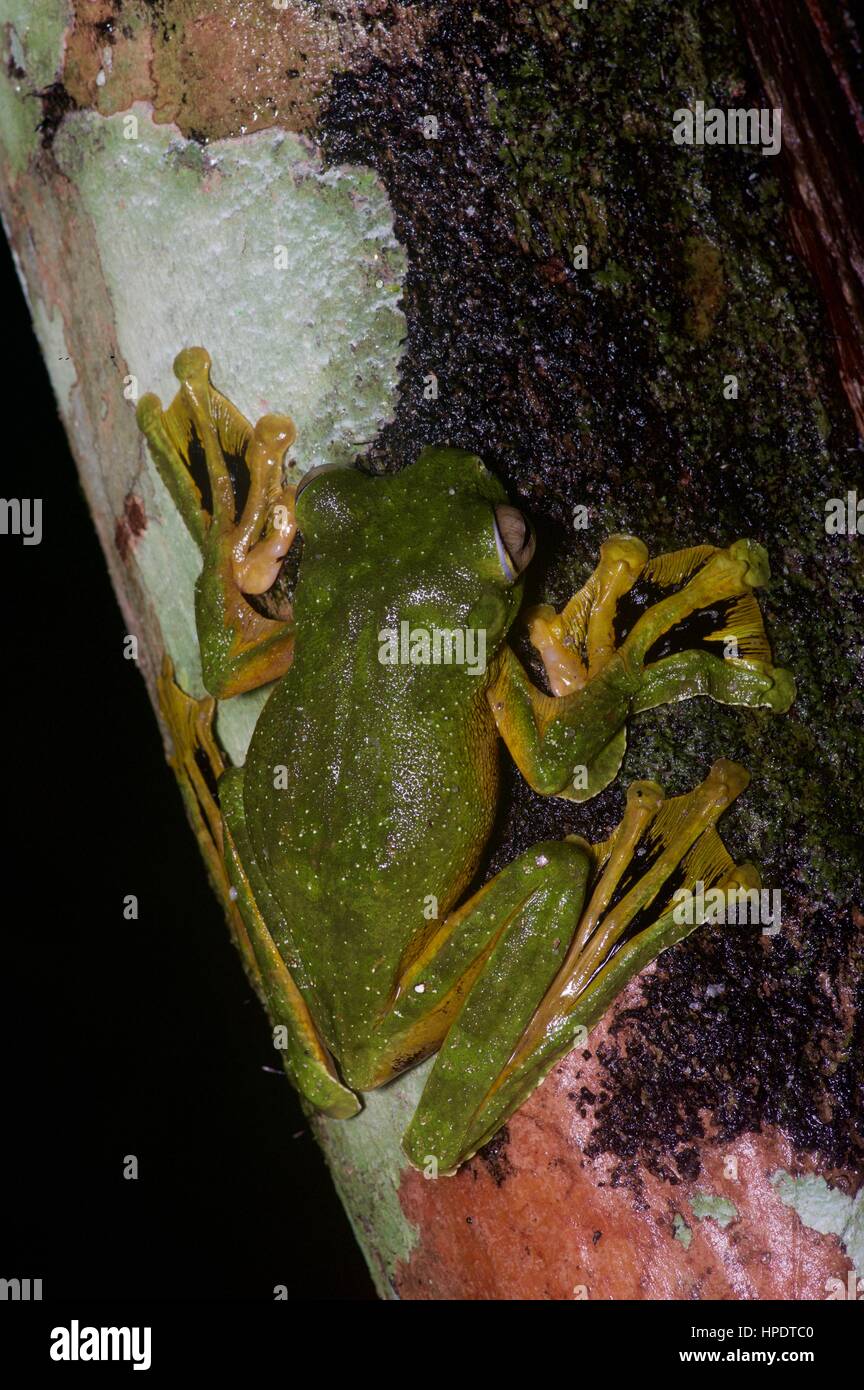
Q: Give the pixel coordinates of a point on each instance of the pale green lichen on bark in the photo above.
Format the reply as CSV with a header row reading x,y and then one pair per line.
x,y
681,1231
308,268
58,360
305,321
826,1210
719,1209
367,1163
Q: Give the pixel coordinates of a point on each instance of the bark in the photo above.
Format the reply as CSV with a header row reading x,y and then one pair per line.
x,y
368,213
809,67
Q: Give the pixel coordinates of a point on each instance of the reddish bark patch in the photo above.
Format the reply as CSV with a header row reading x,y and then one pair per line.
x,y
230,66
565,1226
130,526
109,56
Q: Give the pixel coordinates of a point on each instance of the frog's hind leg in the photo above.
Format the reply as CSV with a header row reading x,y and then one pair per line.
x,y
220,829
195,444
557,957
530,907
197,764
305,1058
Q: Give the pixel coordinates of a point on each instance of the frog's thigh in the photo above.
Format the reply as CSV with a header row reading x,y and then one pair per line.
x,y
504,952
305,1058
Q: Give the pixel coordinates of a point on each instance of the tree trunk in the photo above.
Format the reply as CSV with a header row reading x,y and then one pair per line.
x,y
422,223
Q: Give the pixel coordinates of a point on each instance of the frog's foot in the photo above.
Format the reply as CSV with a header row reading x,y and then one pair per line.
x,y
650,611
577,643
208,454
640,633
699,595
537,957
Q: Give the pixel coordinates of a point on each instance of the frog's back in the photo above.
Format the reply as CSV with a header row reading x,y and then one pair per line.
x,y
390,781
371,780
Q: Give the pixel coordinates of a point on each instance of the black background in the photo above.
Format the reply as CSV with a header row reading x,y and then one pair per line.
x,y
124,1037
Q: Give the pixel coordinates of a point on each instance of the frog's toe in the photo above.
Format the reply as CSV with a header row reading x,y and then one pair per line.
x,y
192,362
782,693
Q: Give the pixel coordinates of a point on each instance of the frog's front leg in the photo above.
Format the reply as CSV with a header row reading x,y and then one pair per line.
x,y
195,443
611,653
540,953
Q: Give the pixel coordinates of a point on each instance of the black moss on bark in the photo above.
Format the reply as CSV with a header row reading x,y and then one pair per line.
x,y
603,387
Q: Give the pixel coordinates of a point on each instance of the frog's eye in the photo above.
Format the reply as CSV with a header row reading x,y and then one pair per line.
x,y
514,537
314,473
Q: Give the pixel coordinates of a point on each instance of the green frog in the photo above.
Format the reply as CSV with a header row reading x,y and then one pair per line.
x,y
351,840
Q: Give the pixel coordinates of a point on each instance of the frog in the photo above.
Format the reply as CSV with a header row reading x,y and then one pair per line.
x,y
350,844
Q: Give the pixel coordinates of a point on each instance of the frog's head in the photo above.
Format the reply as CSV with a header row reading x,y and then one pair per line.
x,y
437,544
